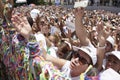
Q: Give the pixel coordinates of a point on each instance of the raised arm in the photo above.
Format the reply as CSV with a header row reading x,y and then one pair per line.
x,y
21,25
56,61
79,27
102,36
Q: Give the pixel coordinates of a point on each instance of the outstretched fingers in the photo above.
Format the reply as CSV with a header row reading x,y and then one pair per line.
x,y
16,22
79,12
100,27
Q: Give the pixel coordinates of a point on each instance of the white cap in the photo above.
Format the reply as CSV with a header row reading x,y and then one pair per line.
x,y
109,74
68,44
111,40
115,53
89,51
34,13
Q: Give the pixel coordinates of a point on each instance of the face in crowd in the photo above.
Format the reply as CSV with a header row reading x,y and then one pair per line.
x,y
113,62
79,63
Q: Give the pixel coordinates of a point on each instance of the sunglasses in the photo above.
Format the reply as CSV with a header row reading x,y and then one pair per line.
x,y
81,59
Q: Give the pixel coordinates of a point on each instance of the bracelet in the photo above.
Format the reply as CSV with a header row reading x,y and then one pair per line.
x,y
102,47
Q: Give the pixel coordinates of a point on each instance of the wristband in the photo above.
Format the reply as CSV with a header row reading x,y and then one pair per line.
x,y
102,47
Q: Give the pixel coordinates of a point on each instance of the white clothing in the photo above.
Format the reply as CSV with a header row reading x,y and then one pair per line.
x,y
52,51
66,70
53,30
41,38
109,74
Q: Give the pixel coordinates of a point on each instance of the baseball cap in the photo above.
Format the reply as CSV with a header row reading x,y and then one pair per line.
x,y
111,40
109,74
91,52
34,13
115,53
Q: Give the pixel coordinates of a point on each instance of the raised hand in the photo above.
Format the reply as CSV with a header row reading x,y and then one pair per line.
x,y
103,32
79,27
21,25
79,12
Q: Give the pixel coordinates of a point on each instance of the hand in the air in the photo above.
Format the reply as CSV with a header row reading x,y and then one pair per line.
x,y
22,26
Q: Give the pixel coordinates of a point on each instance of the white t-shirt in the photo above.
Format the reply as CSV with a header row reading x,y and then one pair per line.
x,y
52,51
41,38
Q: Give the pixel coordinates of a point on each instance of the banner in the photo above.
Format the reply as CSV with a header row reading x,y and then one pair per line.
x,y
21,1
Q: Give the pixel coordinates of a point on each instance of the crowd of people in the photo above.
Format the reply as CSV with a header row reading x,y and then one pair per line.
x,y
91,2
58,43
